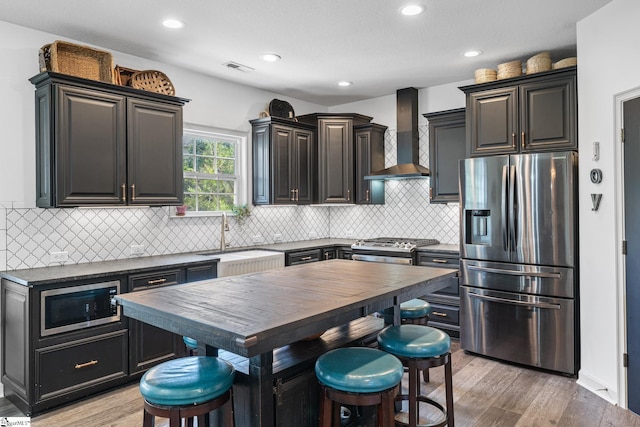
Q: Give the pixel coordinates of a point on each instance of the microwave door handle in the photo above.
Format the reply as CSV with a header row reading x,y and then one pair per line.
x,y
516,302
505,210
545,275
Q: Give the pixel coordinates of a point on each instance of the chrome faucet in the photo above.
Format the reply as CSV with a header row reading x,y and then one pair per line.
x,y
223,227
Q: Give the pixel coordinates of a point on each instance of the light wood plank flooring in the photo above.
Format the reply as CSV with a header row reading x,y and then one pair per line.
x,y
486,393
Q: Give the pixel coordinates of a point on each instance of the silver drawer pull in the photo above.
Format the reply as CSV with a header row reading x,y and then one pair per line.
x,y
305,258
440,261
437,313
549,275
157,281
516,302
87,364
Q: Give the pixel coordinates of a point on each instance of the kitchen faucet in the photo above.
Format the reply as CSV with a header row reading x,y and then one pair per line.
x,y
223,227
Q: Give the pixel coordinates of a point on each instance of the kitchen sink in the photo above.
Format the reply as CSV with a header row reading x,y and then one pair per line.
x,y
241,262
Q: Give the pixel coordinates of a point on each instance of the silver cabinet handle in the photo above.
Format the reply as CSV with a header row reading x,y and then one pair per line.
x,y
516,273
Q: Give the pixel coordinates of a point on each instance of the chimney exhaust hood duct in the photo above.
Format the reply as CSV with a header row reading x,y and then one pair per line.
x,y
408,140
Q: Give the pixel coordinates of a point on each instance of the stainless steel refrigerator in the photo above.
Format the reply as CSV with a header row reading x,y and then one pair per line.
x,y
518,274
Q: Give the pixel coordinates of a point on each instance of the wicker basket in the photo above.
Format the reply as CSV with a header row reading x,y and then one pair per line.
x,y
538,63
509,69
77,60
153,81
123,75
566,62
484,75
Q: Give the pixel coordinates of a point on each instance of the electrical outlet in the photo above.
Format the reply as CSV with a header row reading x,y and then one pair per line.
x,y
349,234
313,235
137,249
277,237
59,256
258,239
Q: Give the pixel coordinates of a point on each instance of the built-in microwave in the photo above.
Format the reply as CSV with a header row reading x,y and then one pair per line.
x,y
77,307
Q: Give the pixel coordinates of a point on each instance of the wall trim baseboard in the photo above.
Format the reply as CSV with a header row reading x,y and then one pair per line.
x,y
596,387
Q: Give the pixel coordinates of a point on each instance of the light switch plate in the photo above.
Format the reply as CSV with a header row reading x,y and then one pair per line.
x,y
277,237
59,256
137,249
257,239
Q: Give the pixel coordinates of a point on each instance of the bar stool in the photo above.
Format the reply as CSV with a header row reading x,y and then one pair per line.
x,y
186,388
421,347
415,311
191,344
359,376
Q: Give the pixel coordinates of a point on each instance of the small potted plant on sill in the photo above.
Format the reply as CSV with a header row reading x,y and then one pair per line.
x,y
241,212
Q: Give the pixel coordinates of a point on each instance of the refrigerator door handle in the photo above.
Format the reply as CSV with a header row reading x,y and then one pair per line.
x,y
505,209
516,302
545,275
513,208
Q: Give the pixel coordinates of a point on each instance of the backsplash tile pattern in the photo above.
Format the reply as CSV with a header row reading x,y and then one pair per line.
x,y
27,236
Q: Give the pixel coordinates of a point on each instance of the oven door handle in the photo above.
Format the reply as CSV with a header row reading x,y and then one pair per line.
x,y
553,275
515,302
380,258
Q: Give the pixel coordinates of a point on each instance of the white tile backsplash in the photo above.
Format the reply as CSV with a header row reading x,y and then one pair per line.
x,y
28,234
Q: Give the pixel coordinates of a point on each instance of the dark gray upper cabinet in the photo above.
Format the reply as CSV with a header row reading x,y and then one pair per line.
x,y
369,157
102,144
447,145
335,154
284,165
523,114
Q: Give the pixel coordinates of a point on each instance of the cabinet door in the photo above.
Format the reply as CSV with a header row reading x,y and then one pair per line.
x,y
261,142
304,165
335,141
548,115
369,153
154,153
447,145
90,148
492,122
283,165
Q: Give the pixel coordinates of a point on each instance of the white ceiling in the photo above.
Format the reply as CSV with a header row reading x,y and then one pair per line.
x,y
321,42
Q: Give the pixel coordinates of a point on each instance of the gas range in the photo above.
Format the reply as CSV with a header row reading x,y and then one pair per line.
x,y
389,249
390,244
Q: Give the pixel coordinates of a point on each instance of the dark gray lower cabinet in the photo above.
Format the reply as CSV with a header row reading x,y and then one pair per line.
x,y
445,302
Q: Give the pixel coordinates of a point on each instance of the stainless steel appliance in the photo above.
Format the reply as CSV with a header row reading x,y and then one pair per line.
x,y
389,249
77,307
518,293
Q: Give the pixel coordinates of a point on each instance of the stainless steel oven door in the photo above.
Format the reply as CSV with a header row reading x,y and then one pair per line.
x,y
382,258
527,329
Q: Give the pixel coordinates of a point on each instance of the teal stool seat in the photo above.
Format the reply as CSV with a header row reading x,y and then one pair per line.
x,y
187,381
358,376
190,343
414,341
359,370
415,309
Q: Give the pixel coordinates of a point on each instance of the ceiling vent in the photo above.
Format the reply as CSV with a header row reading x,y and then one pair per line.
x,y
239,67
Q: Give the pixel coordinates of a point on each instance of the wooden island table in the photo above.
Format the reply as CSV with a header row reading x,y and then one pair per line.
x,y
253,314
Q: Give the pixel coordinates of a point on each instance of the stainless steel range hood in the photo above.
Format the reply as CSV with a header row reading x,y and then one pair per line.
x,y
408,140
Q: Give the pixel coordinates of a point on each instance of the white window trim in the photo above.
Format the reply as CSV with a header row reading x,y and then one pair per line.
x,y
242,165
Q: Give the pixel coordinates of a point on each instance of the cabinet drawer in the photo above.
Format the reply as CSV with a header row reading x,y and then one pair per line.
x,y
445,314
428,259
78,365
138,282
303,257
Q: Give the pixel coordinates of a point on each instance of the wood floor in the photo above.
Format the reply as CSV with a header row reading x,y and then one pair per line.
x,y
486,393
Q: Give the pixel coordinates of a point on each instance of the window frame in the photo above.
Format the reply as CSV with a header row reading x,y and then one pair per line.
x,y
242,158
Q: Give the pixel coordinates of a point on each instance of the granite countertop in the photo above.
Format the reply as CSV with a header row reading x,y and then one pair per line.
x,y
63,273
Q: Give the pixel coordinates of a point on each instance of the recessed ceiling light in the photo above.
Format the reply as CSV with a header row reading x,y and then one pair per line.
x,y
345,83
472,53
173,23
270,57
412,9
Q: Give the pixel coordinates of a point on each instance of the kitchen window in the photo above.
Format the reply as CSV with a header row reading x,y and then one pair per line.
x,y
214,169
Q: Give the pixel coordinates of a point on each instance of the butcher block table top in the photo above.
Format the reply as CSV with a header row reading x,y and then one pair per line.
x,y
253,314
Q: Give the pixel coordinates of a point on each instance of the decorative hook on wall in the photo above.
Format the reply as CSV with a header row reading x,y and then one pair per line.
x,y
595,200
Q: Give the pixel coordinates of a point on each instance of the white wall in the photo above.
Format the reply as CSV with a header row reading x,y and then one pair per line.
x,y
608,64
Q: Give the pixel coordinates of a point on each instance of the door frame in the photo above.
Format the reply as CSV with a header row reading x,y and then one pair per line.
x,y
618,149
